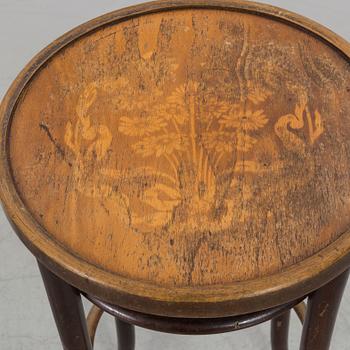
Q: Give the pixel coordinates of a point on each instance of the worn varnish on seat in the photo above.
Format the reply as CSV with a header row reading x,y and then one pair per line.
x,y
185,157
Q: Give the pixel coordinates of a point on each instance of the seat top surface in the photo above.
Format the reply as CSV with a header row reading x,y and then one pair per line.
x,y
183,152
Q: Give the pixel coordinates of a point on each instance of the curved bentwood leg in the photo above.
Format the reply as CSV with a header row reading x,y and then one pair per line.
x,y
125,334
279,331
322,309
67,310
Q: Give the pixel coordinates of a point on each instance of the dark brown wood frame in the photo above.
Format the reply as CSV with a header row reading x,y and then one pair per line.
x,y
318,325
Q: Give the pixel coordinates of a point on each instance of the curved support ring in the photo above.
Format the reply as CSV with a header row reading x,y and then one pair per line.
x,y
191,325
93,319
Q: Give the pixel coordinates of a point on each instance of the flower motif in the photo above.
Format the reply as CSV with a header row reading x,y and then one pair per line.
x,y
257,94
177,96
100,146
175,108
99,136
244,119
183,91
138,126
212,108
161,145
173,111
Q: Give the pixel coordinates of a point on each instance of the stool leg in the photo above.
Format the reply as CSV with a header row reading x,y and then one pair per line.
x,y
322,309
126,335
68,312
279,331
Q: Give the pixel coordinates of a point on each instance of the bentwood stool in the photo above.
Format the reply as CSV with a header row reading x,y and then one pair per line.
x,y
185,165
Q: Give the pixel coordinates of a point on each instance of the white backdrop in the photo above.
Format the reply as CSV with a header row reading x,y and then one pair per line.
x,y
26,26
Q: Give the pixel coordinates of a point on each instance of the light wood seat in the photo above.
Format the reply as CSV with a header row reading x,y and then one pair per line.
x,y
186,161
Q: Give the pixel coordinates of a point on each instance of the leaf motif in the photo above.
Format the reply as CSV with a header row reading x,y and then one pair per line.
x,y
89,95
171,192
315,132
291,141
151,172
101,145
257,97
86,99
318,120
299,111
153,220
68,136
89,133
152,197
300,108
162,206
85,122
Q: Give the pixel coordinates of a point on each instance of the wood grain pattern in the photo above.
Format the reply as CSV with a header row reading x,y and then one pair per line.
x,y
197,148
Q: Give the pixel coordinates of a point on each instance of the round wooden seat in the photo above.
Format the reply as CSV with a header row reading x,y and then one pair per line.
x,y
184,159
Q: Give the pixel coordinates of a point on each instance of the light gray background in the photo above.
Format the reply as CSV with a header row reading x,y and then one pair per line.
x,y
26,26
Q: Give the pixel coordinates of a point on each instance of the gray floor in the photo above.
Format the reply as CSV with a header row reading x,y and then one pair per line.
x,y
26,26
